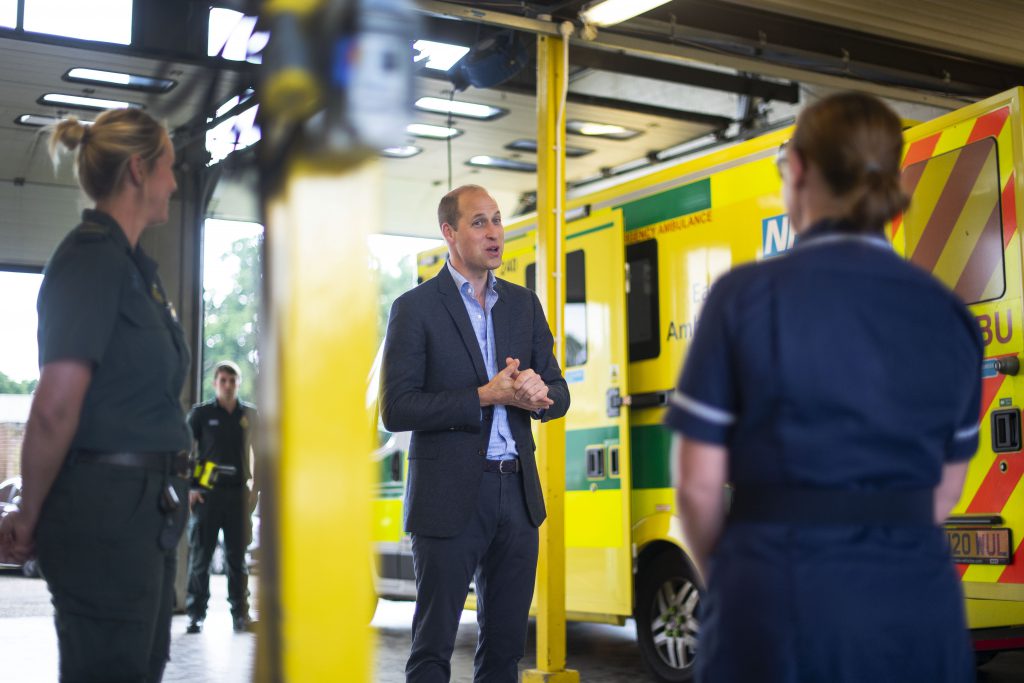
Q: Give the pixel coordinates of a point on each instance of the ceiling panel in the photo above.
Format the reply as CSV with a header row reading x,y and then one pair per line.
x,y
988,29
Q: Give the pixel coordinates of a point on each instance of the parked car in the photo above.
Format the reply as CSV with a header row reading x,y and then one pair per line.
x,y
10,499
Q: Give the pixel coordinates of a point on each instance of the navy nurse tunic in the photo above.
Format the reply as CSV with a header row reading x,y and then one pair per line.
x,y
837,365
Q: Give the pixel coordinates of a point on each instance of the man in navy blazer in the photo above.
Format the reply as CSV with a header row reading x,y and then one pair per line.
x,y
467,363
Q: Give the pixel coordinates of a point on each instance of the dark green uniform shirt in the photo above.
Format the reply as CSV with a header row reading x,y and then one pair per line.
x,y
102,303
224,438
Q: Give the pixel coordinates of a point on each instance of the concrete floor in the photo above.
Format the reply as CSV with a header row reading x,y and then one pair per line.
x,y
602,654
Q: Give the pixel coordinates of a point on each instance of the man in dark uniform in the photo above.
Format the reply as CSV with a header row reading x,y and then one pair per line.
x,y
223,429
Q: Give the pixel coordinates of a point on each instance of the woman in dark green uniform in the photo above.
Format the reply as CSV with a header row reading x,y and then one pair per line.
x,y
103,500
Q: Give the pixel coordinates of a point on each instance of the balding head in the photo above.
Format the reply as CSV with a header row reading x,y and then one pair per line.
x,y
448,208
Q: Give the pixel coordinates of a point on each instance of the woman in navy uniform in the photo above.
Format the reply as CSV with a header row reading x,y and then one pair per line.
x,y
837,389
103,502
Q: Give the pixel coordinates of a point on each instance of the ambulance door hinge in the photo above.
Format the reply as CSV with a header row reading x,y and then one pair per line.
x,y
1007,365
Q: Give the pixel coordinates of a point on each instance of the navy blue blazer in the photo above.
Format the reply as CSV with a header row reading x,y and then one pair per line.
x,y
431,371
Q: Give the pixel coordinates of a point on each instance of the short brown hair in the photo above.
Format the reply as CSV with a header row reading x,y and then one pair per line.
x,y
857,143
448,208
229,367
102,150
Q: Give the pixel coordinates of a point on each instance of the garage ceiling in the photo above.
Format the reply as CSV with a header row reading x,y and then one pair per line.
x,y
688,71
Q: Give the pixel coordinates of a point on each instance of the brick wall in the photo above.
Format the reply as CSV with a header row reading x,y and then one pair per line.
x,y
11,436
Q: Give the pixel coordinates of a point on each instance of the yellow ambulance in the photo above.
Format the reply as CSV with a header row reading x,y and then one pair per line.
x,y
640,258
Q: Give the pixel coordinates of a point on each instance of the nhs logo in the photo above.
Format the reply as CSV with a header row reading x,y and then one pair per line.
x,y
776,235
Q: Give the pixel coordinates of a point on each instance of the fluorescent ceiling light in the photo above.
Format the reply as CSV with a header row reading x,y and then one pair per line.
x,y
38,120
484,112
403,152
79,102
440,56
600,130
629,166
611,12
119,80
504,164
424,130
525,145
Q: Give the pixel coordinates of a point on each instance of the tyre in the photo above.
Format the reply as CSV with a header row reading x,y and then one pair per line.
x,y
667,596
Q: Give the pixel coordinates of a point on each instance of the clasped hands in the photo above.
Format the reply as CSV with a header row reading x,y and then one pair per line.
x,y
514,387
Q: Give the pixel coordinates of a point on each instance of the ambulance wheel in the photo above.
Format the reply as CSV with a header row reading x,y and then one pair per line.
x,y
667,596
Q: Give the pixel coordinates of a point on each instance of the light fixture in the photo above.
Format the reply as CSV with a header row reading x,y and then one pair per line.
x,y
440,56
470,110
695,145
526,145
80,102
629,166
485,161
609,12
38,120
600,130
425,130
402,152
117,79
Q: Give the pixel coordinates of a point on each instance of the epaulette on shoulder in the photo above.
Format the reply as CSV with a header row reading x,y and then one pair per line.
x,y
92,232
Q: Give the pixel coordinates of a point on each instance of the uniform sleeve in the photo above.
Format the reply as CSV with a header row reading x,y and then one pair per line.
x,y
965,437
704,403
78,304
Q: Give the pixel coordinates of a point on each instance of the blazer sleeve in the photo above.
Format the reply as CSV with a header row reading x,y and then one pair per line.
x,y
405,404
546,365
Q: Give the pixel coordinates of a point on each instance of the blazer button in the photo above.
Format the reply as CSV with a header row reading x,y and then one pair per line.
x,y
480,452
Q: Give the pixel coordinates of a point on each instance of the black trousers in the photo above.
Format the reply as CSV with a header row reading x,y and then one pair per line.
x,y
224,509
109,554
498,549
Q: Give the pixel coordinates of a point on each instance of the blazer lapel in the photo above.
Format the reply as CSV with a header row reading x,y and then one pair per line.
x,y
457,309
502,319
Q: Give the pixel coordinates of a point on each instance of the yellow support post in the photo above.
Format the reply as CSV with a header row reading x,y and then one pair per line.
x,y
316,593
551,85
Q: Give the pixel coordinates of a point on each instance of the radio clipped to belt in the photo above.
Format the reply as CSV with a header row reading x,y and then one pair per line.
x,y
207,472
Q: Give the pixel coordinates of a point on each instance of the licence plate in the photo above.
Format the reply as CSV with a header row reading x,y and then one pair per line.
x,y
979,546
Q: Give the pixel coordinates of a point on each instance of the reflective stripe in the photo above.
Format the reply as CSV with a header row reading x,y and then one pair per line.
x,y
702,410
965,433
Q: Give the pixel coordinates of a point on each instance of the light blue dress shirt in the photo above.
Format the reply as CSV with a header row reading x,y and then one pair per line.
x,y
501,445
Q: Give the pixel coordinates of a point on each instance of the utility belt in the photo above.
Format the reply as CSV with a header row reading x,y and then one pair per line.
x,y
209,475
819,506
173,463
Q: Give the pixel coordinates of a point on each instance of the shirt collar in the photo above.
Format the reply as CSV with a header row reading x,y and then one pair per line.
x,y
107,221
461,282
830,230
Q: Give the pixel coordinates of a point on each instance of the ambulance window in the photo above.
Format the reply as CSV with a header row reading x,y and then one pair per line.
x,y
954,223
642,300
575,305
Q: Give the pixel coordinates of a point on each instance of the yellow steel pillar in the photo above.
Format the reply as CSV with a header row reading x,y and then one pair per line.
x,y
322,315
552,63
317,347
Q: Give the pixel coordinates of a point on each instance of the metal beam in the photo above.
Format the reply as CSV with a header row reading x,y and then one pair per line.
x,y
551,82
604,60
447,10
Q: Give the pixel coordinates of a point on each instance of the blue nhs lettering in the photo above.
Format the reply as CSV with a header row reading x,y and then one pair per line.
x,y
776,235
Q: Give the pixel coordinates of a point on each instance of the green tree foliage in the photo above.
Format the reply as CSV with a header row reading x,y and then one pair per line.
x,y
10,386
393,282
231,326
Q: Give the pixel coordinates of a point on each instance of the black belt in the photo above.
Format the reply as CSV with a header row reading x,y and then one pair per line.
x,y
811,506
508,466
165,462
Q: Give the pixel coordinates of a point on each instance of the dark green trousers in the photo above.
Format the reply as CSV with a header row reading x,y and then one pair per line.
x,y
108,555
224,509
